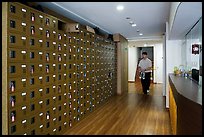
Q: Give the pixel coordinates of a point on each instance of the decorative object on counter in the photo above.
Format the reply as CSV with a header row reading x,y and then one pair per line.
x,y
189,73
176,71
182,70
195,75
200,71
185,74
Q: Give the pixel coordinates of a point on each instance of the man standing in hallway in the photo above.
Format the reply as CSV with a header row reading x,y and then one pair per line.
x,y
145,67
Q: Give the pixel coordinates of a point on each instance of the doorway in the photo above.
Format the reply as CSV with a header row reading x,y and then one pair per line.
x,y
155,54
150,54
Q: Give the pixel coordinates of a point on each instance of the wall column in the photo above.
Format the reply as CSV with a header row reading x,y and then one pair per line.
x,y
122,63
4,69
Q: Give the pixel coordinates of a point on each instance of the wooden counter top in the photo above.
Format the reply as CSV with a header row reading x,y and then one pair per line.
x,y
188,99
187,88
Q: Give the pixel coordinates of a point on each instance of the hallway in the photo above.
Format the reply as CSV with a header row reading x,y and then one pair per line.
x,y
70,68
155,89
129,114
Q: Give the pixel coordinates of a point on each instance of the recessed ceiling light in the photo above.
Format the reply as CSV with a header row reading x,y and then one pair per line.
x,y
131,22
120,7
145,45
138,30
140,34
134,25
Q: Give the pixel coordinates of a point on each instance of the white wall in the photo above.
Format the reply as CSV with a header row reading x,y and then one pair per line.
x,y
173,54
173,58
132,62
158,63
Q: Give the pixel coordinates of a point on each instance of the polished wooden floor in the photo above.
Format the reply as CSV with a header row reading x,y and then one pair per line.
x,y
132,113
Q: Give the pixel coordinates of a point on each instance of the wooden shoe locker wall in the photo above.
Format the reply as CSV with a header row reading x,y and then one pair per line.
x,y
53,79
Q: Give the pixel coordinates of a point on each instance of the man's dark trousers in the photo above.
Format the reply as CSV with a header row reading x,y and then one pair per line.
x,y
146,82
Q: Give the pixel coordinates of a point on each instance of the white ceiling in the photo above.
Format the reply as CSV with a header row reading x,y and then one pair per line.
x,y
150,17
188,13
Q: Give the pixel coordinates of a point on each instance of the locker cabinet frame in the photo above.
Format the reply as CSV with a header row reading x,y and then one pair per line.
x,y
92,48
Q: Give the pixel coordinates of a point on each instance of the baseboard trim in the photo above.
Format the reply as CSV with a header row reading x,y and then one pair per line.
x,y
131,81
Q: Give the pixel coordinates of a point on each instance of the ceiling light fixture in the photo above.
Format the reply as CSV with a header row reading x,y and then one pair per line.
x,y
140,34
131,22
134,25
138,30
120,7
127,18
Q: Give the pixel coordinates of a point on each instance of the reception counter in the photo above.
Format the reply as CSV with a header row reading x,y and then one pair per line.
x,y
185,106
